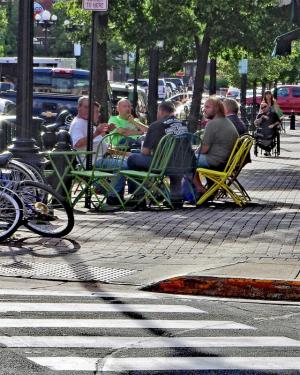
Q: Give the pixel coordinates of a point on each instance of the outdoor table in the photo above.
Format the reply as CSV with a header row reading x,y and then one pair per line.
x,y
69,158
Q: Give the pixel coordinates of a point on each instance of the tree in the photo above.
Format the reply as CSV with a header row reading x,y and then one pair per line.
x,y
223,27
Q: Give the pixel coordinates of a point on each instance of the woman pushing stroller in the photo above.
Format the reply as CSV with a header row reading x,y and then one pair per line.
x,y
267,123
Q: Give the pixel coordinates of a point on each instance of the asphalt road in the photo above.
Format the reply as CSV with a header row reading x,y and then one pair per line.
x,y
125,331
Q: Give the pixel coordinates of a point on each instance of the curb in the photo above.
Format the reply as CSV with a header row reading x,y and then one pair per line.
x,y
287,290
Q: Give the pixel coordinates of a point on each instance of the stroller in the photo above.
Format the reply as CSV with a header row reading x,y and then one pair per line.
x,y
268,140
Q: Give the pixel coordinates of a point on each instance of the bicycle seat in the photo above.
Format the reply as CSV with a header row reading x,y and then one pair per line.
x,y
5,158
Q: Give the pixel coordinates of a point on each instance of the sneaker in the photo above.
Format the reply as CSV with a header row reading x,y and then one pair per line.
x,y
177,204
113,201
267,153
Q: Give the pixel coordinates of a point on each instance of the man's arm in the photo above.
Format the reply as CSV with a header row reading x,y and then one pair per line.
x,y
146,151
204,149
101,129
128,132
139,125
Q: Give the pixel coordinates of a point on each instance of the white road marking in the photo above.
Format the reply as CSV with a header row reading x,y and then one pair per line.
x,y
90,307
121,323
169,363
117,342
54,293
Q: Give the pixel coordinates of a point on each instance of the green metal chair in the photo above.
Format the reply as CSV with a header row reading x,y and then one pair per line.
x,y
99,178
149,184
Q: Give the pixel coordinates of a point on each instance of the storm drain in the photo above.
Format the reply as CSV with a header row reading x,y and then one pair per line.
x,y
76,272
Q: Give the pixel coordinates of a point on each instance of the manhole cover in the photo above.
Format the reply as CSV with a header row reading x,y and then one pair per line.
x,y
62,271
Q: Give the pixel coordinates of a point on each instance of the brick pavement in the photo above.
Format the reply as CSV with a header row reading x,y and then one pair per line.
x,y
207,239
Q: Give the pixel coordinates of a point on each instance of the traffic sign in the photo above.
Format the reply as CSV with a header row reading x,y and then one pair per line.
x,y
95,5
243,66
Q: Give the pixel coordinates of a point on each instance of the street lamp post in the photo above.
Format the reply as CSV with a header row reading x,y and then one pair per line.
x,y
24,146
45,20
70,26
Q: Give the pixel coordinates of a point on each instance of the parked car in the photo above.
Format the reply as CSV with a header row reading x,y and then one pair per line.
x,y
171,87
288,98
233,92
143,82
6,86
177,81
182,97
7,107
162,87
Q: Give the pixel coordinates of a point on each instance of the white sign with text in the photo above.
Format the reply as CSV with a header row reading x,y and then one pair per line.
x,y
95,5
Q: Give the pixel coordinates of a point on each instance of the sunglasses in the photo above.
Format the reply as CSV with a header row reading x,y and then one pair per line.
x,y
265,106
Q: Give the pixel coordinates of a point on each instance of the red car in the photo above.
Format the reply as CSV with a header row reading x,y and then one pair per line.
x,y
288,98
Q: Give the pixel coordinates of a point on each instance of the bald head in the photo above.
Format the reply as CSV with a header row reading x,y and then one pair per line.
x,y
124,108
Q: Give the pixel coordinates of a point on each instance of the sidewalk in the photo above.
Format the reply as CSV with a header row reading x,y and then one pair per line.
x,y
138,248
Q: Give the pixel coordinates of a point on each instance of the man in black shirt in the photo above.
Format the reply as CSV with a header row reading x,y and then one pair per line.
x,y
166,123
231,110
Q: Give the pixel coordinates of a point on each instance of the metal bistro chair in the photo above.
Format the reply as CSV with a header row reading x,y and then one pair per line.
x,y
149,184
226,180
100,178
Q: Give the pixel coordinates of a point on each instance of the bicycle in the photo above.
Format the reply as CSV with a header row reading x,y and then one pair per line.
x,y
44,211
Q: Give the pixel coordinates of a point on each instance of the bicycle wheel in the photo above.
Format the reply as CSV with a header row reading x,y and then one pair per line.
x,y
11,213
14,173
45,212
37,176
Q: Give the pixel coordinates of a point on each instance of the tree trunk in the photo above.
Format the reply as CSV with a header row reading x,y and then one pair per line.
x,y
100,78
202,51
263,88
253,112
136,76
213,77
153,84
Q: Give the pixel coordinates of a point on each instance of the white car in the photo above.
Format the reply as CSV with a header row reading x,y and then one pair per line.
x,y
162,87
233,92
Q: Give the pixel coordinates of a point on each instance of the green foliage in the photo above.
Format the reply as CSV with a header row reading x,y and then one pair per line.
x,y
8,21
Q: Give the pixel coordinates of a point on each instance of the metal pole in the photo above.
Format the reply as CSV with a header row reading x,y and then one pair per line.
x,y
90,130
46,40
243,97
24,146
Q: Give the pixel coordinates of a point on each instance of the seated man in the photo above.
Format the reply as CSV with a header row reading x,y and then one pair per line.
x,y
166,123
126,125
78,131
219,138
231,111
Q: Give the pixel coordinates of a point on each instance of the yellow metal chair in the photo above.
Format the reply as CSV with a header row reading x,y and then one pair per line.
x,y
226,180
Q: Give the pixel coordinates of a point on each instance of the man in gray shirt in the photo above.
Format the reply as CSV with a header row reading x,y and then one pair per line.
x,y
218,141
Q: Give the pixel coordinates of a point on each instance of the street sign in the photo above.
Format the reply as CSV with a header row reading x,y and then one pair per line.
x,y
243,66
95,5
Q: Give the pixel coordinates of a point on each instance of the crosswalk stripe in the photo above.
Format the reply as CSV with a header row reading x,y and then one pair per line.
x,y
121,323
52,293
89,307
168,363
117,342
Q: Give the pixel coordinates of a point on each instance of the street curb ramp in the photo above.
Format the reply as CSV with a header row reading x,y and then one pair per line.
x,y
233,287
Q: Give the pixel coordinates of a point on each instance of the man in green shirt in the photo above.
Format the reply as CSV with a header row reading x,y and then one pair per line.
x,y
126,125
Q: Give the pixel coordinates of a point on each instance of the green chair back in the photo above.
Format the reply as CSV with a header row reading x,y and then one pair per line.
x,y
162,155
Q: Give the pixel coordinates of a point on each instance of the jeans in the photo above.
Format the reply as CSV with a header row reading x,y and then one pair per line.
x,y
142,162
201,160
118,181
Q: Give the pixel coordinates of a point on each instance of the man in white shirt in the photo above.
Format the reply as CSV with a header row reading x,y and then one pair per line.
x,y
78,131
